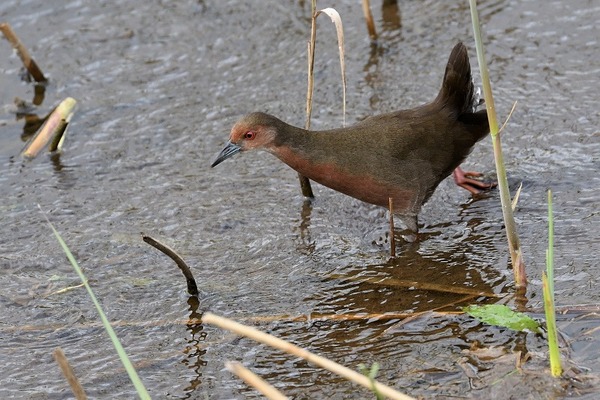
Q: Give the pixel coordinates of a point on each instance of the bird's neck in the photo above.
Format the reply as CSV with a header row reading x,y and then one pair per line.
x,y
295,147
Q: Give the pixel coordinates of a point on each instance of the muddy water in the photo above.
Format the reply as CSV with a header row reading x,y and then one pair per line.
x,y
158,86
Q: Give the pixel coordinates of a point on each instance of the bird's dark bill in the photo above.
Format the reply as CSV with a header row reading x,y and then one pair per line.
x,y
230,150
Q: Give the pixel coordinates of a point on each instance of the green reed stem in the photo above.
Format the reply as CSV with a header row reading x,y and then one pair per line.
x,y
548,289
514,244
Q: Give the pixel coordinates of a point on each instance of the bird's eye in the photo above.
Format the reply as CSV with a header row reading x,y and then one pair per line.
x,y
249,135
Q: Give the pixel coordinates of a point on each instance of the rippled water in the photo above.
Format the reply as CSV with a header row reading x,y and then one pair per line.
x,y
159,85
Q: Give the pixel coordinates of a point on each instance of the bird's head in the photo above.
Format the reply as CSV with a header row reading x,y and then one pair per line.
x,y
253,131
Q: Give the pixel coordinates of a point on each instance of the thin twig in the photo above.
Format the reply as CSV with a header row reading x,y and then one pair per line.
x,y
192,288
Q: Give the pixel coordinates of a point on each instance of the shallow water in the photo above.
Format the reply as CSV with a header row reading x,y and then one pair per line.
x,y
159,85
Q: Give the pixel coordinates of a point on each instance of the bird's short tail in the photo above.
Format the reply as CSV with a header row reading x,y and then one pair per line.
x,y
457,92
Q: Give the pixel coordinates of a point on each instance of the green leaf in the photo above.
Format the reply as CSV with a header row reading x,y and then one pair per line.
x,y
501,315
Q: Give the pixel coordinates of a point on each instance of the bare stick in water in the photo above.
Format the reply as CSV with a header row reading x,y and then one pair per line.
x,y
28,62
192,288
366,5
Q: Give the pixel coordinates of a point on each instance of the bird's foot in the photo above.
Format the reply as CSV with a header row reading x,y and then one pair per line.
x,y
465,180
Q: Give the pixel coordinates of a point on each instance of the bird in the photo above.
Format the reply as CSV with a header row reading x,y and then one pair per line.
x,y
402,155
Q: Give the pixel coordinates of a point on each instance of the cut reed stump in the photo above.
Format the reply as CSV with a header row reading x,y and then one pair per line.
x,y
28,62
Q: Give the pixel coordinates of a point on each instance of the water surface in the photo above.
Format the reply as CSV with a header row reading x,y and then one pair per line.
x,y
159,85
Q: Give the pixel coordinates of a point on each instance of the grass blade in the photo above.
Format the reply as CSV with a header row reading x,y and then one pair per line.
x,y
548,289
550,251
555,365
135,379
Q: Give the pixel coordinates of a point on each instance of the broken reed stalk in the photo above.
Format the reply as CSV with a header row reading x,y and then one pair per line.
x,y
28,62
254,381
192,288
392,238
69,374
53,131
335,18
366,6
514,244
280,344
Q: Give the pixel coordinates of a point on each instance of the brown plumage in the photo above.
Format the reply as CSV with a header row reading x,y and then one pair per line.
x,y
403,154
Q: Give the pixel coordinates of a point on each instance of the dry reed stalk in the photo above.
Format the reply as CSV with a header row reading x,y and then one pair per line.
x,y
342,317
292,349
304,181
250,319
254,381
335,18
392,282
392,238
590,311
28,62
65,290
366,6
339,29
67,371
53,131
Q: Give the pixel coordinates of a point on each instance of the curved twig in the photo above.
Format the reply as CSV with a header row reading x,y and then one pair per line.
x,y
192,288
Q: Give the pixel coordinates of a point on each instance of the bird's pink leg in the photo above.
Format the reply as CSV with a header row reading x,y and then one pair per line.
x,y
464,180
